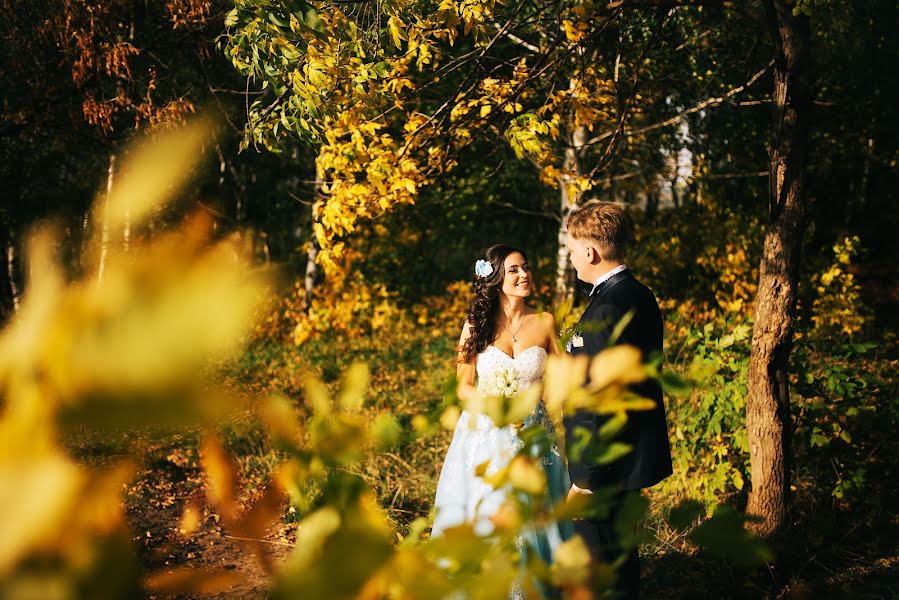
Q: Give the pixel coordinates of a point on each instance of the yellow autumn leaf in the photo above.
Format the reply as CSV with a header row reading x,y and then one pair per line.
x,y
222,477
280,417
450,417
521,405
155,169
571,563
564,375
526,476
619,364
354,386
37,495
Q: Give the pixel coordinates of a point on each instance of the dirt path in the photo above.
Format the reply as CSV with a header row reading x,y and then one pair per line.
x,y
155,513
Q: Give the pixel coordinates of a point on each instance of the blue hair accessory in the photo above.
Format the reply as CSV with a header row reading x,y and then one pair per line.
x,y
482,268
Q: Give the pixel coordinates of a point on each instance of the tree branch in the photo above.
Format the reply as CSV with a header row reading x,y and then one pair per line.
x,y
735,175
523,211
681,116
740,8
524,44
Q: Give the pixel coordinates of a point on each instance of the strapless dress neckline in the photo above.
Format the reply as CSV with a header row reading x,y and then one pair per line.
x,y
517,356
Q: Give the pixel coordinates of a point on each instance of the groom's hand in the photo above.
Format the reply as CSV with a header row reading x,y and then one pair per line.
x,y
576,491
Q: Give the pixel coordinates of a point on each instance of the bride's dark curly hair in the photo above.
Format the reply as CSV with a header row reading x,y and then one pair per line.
x,y
483,308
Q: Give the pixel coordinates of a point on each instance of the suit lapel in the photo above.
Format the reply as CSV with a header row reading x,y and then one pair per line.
x,y
605,287
613,281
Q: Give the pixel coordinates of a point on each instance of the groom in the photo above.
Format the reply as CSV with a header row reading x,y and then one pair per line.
x,y
598,236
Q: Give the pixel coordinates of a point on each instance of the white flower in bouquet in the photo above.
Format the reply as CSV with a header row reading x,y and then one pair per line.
x,y
502,383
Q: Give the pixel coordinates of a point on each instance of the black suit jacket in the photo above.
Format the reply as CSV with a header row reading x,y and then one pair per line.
x,y
646,431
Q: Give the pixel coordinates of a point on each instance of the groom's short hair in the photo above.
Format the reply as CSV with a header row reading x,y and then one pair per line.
x,y
606,225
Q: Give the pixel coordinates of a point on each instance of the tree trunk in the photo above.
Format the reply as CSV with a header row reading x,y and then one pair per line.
x,y
311,272
85,229
126,227
768,421
312,253
675,198
652,204
570,198
11,272
858,202
104,231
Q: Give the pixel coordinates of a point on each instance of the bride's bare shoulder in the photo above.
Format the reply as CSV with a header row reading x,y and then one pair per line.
x,y
546,318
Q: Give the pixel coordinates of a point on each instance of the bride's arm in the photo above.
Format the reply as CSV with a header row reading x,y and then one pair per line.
x,y
465,372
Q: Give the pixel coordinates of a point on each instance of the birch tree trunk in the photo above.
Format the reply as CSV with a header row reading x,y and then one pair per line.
x,y
126,228
569,200
104,227
11,272
768,420
311,276
85,229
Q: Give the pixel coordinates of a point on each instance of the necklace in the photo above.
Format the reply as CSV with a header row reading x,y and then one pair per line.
x,y
514,339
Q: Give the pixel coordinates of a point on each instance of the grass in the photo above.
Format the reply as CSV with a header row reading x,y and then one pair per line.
x,y
835,547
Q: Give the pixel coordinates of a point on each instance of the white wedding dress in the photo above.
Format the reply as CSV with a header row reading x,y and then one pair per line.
x,y
462,496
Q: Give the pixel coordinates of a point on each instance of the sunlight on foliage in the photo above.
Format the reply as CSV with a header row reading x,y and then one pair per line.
x,y
838,308
124,342
120,343
351,82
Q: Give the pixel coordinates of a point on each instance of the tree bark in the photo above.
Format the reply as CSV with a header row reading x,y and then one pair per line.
x,y
126,228
768,420
652,204
675,177
312,252
11,272
85,232
569,200
104,231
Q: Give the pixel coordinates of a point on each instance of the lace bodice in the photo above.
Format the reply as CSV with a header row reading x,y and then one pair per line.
x,y
529,363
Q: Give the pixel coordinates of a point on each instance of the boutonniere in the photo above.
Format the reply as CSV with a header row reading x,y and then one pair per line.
x,y
572,337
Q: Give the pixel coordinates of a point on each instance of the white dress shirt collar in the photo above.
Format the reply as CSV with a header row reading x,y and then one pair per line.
x,y
605,277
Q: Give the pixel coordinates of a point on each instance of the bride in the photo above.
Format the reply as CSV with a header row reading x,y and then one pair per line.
x,y
500,333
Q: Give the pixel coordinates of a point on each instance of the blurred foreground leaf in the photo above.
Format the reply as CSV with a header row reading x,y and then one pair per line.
x,y
726,536
126,340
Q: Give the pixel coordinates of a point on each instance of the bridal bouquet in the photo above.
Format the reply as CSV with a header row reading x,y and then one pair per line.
x,y
502,397
501,383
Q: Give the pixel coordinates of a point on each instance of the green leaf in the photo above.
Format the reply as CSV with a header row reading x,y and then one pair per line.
x,y
674,384
613,452
621,325
685,514
382,69
627,521
582,438
313,21
613,426
277,20
724,535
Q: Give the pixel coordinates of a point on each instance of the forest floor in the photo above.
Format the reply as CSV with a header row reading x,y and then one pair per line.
x,y
822,556
833,548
